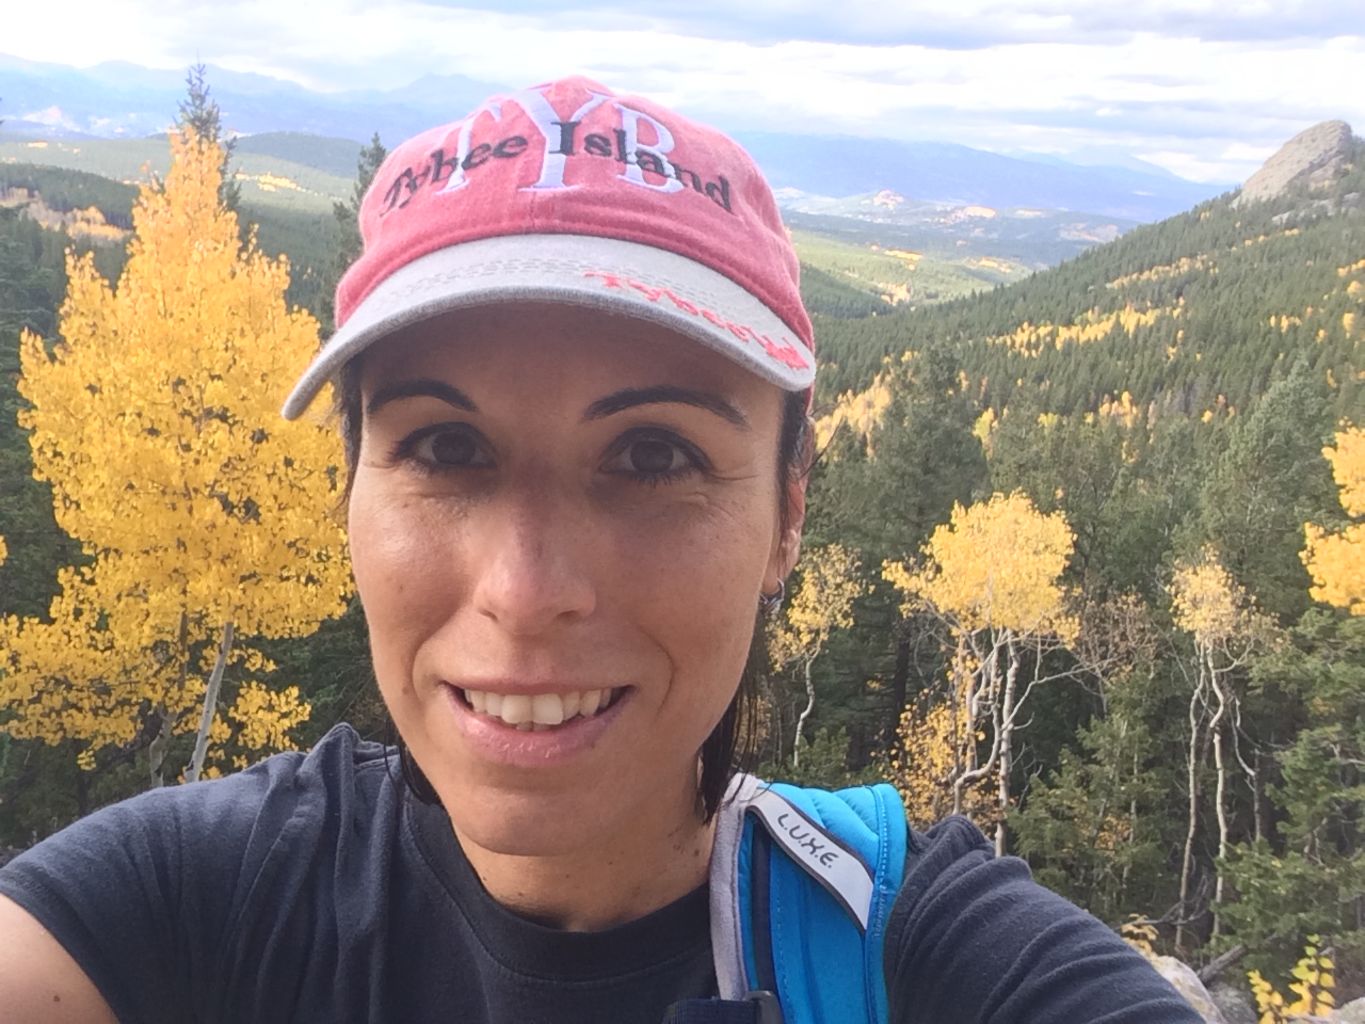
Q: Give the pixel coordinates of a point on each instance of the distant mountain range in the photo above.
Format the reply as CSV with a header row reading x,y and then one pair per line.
x,y
962,176
1195,315
118,100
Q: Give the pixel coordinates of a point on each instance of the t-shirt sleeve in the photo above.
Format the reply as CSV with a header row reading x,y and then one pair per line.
x,y
973,939
142,893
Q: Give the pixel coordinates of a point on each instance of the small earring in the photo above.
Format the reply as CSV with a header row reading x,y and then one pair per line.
x,y
770,604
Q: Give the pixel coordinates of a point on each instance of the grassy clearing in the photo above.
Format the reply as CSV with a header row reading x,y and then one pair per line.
x,y
899,275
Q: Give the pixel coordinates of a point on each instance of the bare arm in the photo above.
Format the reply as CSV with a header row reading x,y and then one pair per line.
x,y
38,978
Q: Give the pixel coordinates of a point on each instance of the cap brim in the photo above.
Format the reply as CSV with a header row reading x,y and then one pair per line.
x,y
615,276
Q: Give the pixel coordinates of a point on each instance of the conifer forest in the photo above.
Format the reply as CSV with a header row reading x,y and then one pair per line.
x,y
1084,559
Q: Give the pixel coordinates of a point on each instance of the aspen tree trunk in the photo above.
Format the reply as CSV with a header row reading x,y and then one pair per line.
x,y
1220,799
1006,728
1192,766
986,686
973,681
776,719
1251,771
960,767
801,722
1132,823
1258,798
215,684
900,680
156,750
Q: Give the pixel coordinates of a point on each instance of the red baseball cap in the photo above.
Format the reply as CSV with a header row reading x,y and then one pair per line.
x,y
566,192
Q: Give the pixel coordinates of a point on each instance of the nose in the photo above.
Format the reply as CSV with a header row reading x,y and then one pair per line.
x,y
535,571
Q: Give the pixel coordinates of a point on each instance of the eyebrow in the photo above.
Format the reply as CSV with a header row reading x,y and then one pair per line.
x,y
630,397
616,402
419,388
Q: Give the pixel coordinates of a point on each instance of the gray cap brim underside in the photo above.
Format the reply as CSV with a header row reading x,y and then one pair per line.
x,y
569,269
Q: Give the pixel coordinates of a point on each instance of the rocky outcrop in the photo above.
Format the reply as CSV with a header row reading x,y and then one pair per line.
x,y
1233,998
1229,1002
1311,159
1187,983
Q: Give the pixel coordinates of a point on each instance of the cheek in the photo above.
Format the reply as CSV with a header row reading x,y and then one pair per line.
x,y
404,576
695,591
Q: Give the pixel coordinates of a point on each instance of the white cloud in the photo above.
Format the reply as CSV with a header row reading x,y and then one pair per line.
x,y
1048,75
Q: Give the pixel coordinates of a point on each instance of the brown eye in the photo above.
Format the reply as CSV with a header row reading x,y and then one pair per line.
x,y
653,457
449,448
452,449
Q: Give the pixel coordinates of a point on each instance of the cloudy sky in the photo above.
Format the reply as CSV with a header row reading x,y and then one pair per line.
x,y
1204,88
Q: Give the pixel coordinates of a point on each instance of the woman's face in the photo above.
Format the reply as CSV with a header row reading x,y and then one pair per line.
x,y
555,509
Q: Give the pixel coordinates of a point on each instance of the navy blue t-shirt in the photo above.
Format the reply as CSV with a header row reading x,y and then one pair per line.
x,y
315,888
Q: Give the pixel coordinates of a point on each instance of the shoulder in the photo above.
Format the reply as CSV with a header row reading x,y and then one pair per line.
x,y
973,937
277,793
952,852
171,875
227,828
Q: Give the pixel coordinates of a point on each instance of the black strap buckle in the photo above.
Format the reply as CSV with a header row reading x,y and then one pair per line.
x,y
769,1009
755,1008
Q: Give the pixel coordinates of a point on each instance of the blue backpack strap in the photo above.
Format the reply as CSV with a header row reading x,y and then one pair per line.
x,y
802,884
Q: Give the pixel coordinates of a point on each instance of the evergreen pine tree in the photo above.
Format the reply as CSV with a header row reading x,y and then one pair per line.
x,y
200,112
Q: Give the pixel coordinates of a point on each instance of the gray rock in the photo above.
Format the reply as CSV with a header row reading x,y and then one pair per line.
x,y
1312,158
1235,1001
1187,983
1352,1013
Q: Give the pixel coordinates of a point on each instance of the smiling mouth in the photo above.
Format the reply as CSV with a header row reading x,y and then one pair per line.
x,y
539,712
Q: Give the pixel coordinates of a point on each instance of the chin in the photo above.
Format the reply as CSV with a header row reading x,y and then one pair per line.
x,y
521,824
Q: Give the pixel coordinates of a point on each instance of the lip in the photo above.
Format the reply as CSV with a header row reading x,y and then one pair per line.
x,y
498,743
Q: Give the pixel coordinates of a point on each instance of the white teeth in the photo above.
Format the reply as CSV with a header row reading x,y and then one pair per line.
x,y
516,708
542,710
547,709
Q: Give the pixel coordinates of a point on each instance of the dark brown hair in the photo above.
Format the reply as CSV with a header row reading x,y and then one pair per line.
x,y
730,747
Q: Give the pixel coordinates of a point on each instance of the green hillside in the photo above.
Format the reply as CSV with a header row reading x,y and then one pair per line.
x,y
66,190
1208,307
265,173
336,157
1171,396
900,277
289,180
304,232
1167,402
1017,240
280,197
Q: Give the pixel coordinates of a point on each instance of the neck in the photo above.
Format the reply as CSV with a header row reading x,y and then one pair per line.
x,y
616,878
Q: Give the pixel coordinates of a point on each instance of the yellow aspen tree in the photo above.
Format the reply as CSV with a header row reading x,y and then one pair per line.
x,y
1336,561
830,583
861,412
991,577
1314,979
1218,614
155,417
932,746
